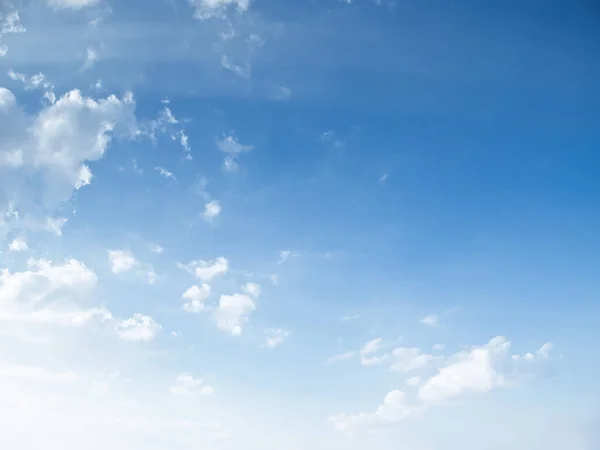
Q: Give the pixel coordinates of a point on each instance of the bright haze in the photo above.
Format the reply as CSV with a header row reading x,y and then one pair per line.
x,y
291,225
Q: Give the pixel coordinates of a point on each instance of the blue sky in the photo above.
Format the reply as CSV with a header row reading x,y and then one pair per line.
x,y
331,224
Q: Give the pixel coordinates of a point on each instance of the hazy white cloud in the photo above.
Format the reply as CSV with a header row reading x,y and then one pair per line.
x,y
186,384
206,9
414,381
72,4
371,346
156,248
341,357
18,245
230,145
212,210
285,256
252,289
138,328
37,81
409,359
91,57
349,317
165,173
240,71
195,296
121,260
275,337
430,321
11,23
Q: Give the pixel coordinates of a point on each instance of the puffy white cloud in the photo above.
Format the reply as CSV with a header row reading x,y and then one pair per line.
x,y
139,327
33,82
341,357
393,409
206,9
430,321
46,294
72,4
186,384
207,270
121,260
18,245
57,143
275,337
212,210
371,346
195,296
474,371
233,312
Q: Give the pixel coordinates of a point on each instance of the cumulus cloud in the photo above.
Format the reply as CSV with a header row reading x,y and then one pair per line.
x,y
207,270
233,312
196,296
18,245
138,328
121,260
186,384
47,293
212,210
371,346
57,143
478,370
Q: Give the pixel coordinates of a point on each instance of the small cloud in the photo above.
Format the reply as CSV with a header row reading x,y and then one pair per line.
x,y
283,93
186,384
121,260
383,178
341,357
91,57
430,321
207,270
138,328
207,9
275,337
285,255
72,4
212,210
18,245
230,145
349,317
156,248
371,346
241,71
252,289
414,381
165,173
439,347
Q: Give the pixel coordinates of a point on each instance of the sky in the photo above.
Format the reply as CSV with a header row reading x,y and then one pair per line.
x,y
326,224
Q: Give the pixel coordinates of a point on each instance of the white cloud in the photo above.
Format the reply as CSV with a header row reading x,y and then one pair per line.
x,y
438,347
240,71
195,296
430,321
138,328
57,142
72,4
156,248
374,360
349,317
371,346
393,409
230,145
233,312
33,82
474,371
409,359
212,210
18,245
285,255
341,357
252,289
46,294
275,337
165,173
207,270
206,9
11,24
91,57
3,50
186,384
414,381
121,260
